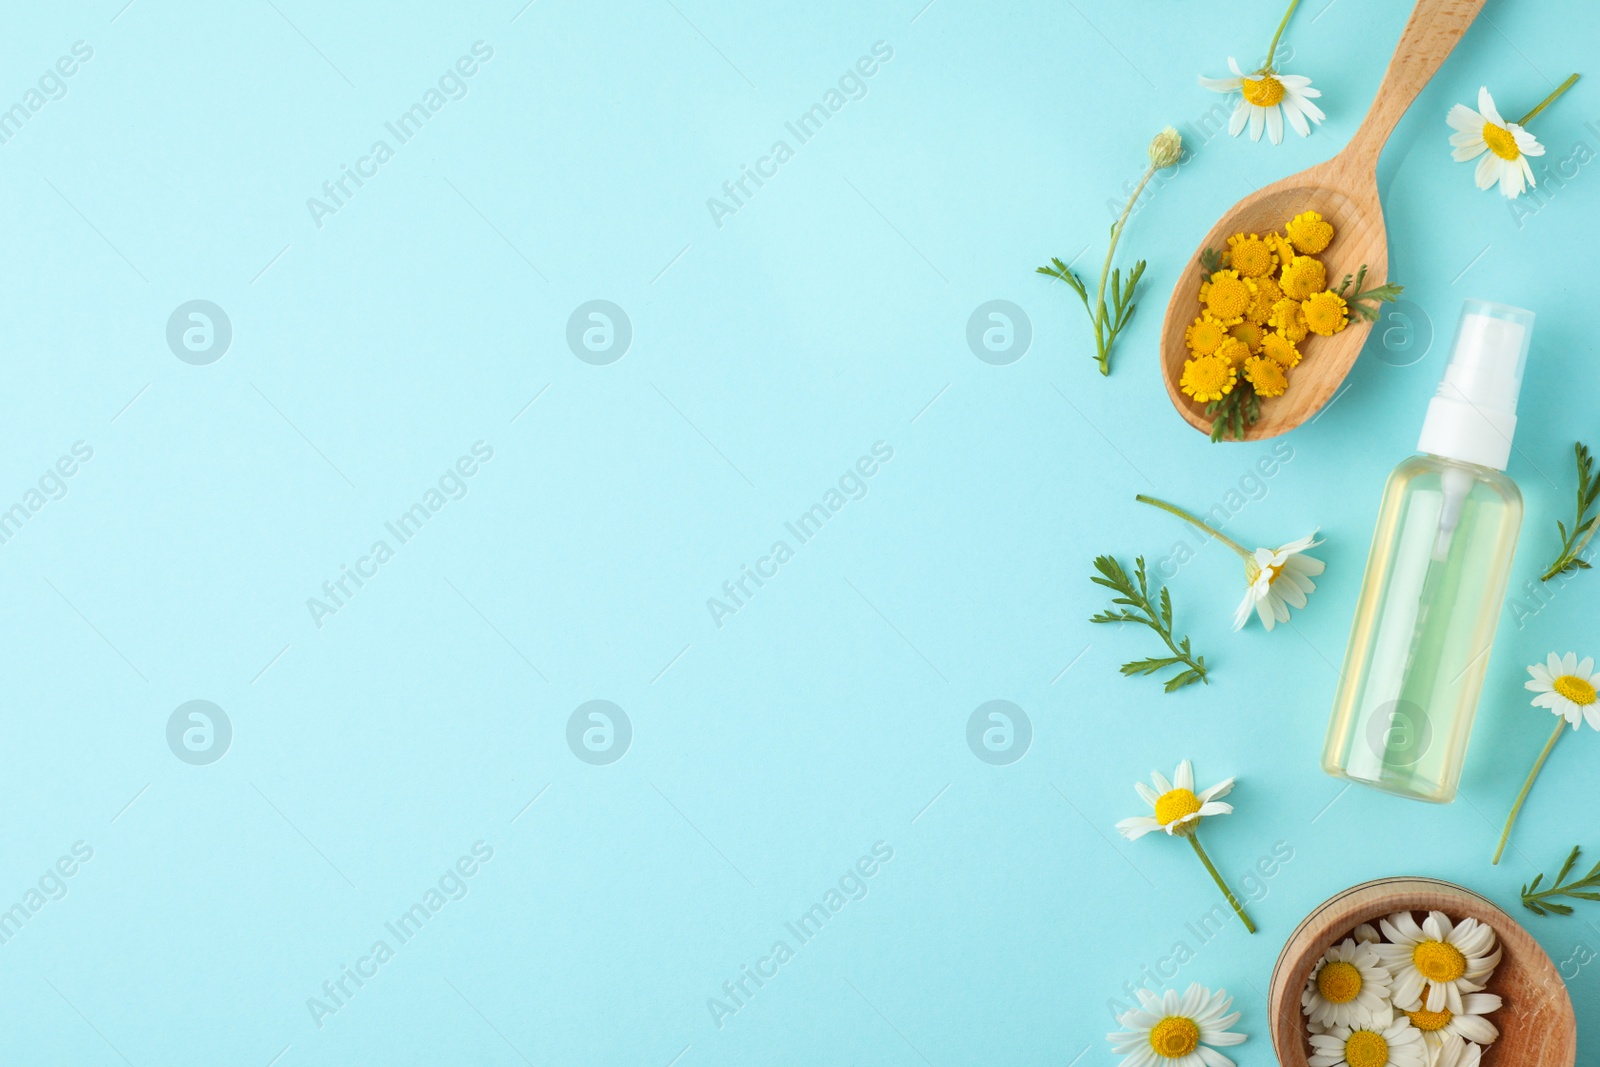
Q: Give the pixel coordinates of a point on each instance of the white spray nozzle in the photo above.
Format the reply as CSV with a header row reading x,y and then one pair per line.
x,y
1474,414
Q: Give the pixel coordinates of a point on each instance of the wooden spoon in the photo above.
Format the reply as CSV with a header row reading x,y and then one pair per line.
x,y
1345,191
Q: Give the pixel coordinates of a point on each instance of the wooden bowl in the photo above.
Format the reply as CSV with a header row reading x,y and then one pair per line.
x,y
1537,1025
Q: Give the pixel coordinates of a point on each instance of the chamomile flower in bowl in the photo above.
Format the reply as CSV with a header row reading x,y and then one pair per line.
x,y
1435,964
1349,987
1388,1041
1467,1027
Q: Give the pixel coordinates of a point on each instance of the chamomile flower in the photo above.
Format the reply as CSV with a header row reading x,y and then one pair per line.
x,y
1289,319
1226,295
1251,334
1176,807
1266,98
1208,378
1302,276
1466,1026
1348,986
1279,579
1233,349
1567,687
1250,256
1268,292
1176,810
1389,1040
1278,348
1436,964
1266,376
1203,335
1325,313
1309,232
1504,146
1184,1031
1452,1051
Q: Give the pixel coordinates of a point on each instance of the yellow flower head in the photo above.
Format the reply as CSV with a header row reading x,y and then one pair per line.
x,y
1278,348
1234,351
1266,376
1268,292
1325,313
1250,333
1288,319
1309,233
1226,295
1249,255
1203,335
1208,378
1302,276
1280,247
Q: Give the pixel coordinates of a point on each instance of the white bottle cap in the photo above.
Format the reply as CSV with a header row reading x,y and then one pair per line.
x,y
1474,414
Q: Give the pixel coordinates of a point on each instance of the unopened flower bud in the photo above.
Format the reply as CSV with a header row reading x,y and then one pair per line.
x,y
1165,148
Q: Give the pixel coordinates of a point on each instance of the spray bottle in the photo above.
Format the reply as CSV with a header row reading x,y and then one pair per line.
x,y
1436,575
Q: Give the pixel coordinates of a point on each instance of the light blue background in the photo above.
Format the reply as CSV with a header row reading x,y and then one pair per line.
x,y
768,354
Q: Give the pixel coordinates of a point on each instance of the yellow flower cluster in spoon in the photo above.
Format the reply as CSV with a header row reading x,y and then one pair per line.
x,y
1268,293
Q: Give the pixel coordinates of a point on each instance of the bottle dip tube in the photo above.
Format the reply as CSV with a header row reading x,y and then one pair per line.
x,y
1436,575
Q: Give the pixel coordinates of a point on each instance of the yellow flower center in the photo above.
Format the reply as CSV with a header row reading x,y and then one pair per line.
x,y
1438,962
1324,313
1205,335
1309,232
1208,378
1250,256
1430,1021
1227,296
1280,350
1366,1049
1500,141
1174,1037
1578,690
1175,804
1339,982
1264,91
1267,377
1303,276
1250,333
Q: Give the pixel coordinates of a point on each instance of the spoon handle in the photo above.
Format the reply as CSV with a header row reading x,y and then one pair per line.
x,y
1431,33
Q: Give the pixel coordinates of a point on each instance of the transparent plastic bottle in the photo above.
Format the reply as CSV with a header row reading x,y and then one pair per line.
x,y
1436,576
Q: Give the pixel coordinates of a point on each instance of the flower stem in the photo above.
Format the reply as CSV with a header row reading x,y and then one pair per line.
x,y
1505,835
1547,101
1193,520
1238,909
1101,342
1272,49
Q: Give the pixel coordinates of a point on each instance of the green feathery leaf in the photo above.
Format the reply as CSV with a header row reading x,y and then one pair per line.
x,y
1136,606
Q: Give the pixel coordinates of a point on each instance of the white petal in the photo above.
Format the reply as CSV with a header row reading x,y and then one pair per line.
x,y
1257,121
1184,778
1221,85
1486,107
1275,125
1137,827
1218,791
1236,121
1462,117
1488,171
1297,119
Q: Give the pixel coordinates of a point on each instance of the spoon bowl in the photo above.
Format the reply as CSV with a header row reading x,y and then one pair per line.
x,y
1344,190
